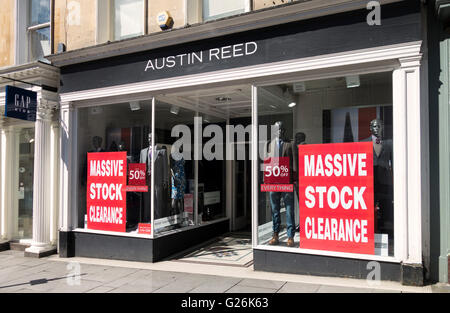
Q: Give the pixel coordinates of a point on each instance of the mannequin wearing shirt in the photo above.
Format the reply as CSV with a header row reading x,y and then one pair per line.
x,y
383,179
279,147
161,180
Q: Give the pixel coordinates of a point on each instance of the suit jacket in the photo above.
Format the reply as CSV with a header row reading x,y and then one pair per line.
x,y
271,150
161,167
383,162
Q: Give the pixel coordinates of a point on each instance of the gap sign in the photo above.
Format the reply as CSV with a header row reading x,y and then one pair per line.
x,y
336,197
21,104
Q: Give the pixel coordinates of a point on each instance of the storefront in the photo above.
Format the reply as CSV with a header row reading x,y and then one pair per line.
x,y
331,86
29,158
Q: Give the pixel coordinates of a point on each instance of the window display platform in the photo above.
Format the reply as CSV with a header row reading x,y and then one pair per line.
x,y
102,246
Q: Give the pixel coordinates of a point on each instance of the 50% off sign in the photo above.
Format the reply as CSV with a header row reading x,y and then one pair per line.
x,y
277,175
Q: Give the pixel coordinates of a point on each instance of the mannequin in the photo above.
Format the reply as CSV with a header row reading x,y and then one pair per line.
x,y
383,179
161,180
279,147
97,144
178,184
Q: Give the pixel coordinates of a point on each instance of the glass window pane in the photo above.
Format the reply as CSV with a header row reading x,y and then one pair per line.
x,y
313,131
214,9
39,43
26,175
39,12
174,172
122,127
128,18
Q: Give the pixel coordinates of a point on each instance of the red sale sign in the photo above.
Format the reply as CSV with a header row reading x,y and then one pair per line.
x,y
106,191
137,178
336,197
136,174
277,175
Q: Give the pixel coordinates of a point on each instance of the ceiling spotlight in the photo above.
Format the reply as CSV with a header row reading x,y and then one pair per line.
x,y
174,110
353,81
135,106
292,104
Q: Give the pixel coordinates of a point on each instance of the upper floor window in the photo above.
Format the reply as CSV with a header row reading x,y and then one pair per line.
x,y
39,29
199,11
120,19
129,18
214,9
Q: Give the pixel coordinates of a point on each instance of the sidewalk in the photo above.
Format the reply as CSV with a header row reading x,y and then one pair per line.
x,y
53,274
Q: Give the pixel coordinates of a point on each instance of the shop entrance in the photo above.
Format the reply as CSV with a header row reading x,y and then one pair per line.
x,y
241,190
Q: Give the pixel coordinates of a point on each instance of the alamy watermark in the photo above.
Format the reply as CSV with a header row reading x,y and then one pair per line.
x,y
73,278
374,17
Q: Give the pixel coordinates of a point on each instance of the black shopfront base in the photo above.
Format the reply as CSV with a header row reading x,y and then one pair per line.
x,y
317,265
91,245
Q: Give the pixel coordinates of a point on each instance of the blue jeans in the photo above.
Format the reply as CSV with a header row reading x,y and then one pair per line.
x,y
275,202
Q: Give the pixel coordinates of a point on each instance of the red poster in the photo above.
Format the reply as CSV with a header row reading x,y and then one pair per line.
x,y
277,175
144,229
136,174
137,178
336,197
189,203
106,191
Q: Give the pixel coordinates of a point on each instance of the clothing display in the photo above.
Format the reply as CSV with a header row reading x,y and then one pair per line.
x,y
383,178
178,179
161,182
281,148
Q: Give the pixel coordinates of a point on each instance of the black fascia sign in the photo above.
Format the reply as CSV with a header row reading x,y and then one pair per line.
x,y
21,104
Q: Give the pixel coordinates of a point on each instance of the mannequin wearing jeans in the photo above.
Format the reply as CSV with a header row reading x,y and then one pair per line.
x,y
279,147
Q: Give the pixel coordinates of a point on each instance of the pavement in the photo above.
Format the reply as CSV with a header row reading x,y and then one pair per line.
x,y
19,274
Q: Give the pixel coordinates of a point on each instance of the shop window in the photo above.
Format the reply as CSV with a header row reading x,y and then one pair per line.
x,y
116,134
26,176
326,165
142,179
188,190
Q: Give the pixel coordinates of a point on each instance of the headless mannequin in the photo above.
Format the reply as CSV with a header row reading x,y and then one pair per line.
x,y
161,179
279,147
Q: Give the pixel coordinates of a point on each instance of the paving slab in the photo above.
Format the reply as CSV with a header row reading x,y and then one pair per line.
x,y
100,289
216,285
339,289
134,288
299,288
138,276
249,289
109,274
269,284
184,284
